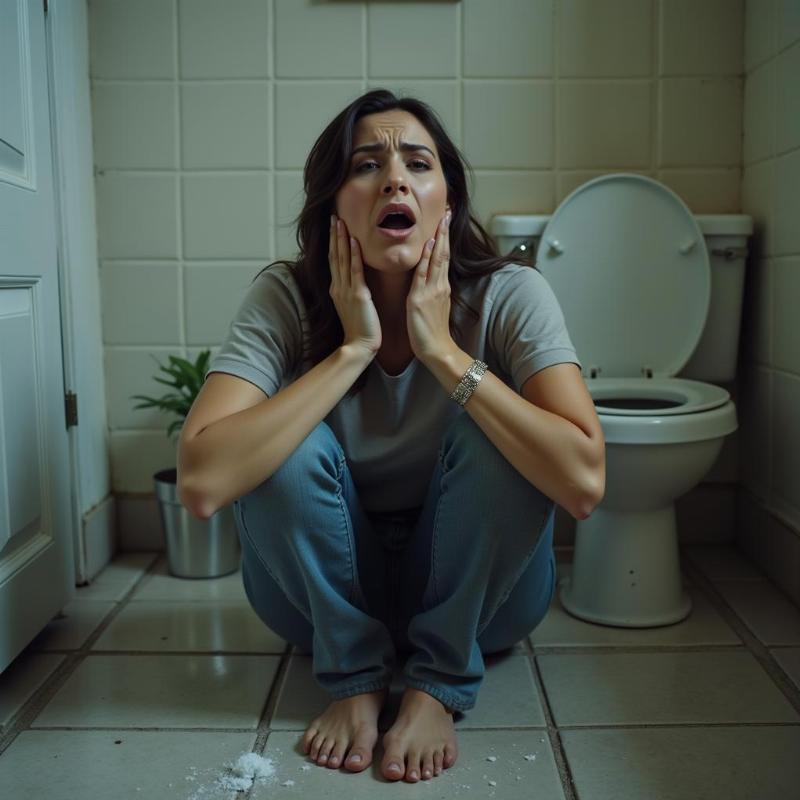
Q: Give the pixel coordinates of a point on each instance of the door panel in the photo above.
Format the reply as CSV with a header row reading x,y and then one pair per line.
x,y
35,521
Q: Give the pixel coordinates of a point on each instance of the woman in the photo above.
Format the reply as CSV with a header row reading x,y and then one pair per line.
x,y
395,458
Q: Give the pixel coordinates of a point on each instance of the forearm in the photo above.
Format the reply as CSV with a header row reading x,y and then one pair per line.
x,y
550,452
234,455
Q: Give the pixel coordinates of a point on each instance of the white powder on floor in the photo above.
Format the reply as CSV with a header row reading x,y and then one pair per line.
x,y
239,776
250,767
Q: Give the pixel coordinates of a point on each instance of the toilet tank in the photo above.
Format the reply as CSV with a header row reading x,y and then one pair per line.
x,y
714,359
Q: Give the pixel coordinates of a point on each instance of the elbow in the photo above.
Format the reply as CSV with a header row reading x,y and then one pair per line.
x,y
193,500
590,500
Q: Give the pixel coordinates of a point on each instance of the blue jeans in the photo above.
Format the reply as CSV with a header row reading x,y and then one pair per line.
x,y
470,572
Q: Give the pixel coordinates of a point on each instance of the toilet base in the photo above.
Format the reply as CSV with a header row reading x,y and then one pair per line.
x,y
626,570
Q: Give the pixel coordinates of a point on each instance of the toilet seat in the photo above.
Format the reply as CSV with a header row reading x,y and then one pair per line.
x,y
627,261
661,410
664,397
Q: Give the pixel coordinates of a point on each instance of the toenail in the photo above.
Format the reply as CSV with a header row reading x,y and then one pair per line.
x,y
394,766
323,758
427,773
413,774
334,759
355,759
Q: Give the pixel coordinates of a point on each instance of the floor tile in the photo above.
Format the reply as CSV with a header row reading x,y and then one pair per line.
x,y
116,580
515,777
704,626
722,563
766,610
194,691
658,688
160,585
685,764
789,659
219,626
20,680
507,698
77,621
120,764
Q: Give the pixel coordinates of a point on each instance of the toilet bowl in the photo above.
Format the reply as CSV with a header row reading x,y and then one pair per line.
x,y
662,437
629,266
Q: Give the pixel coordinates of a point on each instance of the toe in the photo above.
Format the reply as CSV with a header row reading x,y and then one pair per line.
x,y
427,766
412,769
325,751
360,755
392,766
438,757
335,758
358,758
308,738
450,756
316,743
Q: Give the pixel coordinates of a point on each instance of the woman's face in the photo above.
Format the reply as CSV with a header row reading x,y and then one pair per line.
x,y
392,175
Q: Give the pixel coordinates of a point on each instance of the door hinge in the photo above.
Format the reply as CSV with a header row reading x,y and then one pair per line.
x,y
71,408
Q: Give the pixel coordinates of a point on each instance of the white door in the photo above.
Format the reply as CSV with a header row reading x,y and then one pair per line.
x,y
36,568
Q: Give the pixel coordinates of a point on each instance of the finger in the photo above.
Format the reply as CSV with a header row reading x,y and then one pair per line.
x,y
333,253
344,253
356,267
441,253
425,262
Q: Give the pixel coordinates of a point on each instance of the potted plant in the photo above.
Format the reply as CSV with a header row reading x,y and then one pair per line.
x,y
196,548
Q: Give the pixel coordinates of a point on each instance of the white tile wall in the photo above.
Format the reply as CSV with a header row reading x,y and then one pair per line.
x,y
204,114
769,521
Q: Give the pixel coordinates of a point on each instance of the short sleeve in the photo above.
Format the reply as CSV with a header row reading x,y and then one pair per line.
x,y
264,339
527,331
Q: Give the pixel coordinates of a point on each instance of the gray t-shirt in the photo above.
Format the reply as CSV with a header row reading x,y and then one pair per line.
x,y
391,430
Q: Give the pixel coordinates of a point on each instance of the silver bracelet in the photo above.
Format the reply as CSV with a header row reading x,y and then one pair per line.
x,y
472,377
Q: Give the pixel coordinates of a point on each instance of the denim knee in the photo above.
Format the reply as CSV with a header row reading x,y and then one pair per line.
x,y
320,448
465,437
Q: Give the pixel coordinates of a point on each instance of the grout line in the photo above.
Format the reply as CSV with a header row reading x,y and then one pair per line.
x,y
179,192
556,745
37,702
273,127
757,649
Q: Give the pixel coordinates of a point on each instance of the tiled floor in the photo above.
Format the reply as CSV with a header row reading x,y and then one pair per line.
x,y
149,685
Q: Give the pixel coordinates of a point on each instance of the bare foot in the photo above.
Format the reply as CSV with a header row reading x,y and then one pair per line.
x,y
422,740
352,720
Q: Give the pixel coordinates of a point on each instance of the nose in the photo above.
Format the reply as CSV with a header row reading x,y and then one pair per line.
x,y
395,181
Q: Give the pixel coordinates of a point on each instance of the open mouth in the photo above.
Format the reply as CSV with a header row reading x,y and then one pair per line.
x,y
397,225
397,221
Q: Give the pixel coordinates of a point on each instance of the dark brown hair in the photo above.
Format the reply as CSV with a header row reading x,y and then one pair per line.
x,y
473,253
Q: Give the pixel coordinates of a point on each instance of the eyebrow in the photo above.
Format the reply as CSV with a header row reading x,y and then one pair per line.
x,y
379,147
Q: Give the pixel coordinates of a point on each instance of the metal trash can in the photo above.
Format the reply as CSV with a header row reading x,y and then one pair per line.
x,y
196,548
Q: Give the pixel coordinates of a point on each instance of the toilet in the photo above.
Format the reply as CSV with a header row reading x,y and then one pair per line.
x,y
652,298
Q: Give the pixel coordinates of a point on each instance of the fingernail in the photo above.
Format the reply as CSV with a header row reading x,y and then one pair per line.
x,y
447,217
333,220
355,759
429,244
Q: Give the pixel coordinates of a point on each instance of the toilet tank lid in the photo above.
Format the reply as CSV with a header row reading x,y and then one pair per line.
x,y
534,224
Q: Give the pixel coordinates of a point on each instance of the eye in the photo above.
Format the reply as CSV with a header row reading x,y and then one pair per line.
x,y
418,162
360,167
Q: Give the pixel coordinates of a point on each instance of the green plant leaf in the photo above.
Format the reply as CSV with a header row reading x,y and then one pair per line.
x,y
186,377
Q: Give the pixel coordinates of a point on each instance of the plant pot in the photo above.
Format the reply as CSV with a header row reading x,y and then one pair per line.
x,y
196,548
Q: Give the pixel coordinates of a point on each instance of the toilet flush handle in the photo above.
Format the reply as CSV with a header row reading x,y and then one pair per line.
x,y
688,247
555,245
